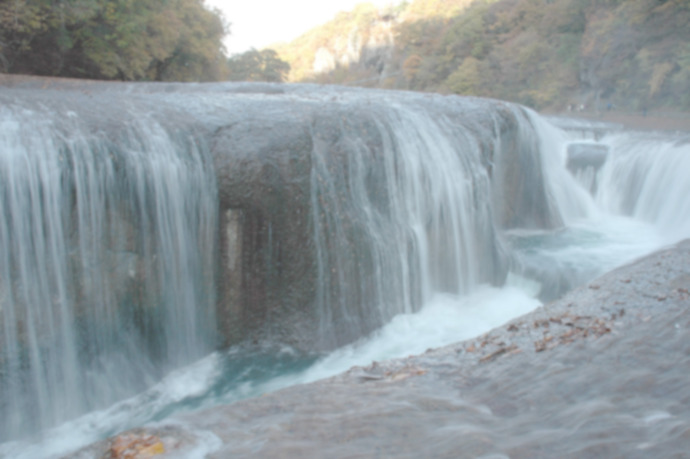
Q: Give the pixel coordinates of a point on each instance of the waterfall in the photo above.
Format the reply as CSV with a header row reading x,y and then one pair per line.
x,y
407,203
106,268
570,198
402,218
137,240
646,178
337,217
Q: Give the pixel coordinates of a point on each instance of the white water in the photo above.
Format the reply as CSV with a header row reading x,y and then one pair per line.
x,y
443,320
88,228
425,226
599,234
647,178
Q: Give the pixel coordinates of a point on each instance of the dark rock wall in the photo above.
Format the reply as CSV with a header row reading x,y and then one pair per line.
x,y
309,179
519,181
314,248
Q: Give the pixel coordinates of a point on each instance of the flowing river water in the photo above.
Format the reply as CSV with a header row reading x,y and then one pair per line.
x,y
97,221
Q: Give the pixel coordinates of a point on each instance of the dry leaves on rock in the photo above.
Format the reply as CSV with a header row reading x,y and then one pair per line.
x,y
135,446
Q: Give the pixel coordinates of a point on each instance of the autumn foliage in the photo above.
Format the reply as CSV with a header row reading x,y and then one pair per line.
x,y
158,40
542,53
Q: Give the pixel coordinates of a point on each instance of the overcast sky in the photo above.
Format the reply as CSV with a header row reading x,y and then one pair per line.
x,y
259,23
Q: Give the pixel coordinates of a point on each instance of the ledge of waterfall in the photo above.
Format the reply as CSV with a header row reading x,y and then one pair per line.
x,y
601,371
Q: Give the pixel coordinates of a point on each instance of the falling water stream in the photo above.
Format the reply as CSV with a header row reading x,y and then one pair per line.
x,y
108,236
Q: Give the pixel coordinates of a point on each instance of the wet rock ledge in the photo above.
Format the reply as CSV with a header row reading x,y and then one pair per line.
x,y
600,373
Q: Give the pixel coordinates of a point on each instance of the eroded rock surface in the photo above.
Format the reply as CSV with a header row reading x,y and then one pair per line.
x,y
329,193
600,373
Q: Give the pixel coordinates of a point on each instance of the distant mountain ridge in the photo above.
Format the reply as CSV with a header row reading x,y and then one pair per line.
x,y
548,54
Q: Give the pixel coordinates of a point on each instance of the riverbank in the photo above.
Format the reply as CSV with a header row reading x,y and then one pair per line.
x,y
600,373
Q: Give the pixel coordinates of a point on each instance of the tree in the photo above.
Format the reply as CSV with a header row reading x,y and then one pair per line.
x,y
253,65
467,79
112,39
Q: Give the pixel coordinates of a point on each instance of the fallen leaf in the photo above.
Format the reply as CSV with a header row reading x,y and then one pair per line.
x,y
497,353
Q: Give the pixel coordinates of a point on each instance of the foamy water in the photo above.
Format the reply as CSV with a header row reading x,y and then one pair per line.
x,y
631,215
445,319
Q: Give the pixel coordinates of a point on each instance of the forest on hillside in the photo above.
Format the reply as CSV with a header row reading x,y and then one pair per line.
x,y
154,40
545,54
129,40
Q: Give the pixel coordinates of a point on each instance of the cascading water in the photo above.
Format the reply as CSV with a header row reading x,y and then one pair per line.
x,y
405,229
392,222
408,203
105,263
643,179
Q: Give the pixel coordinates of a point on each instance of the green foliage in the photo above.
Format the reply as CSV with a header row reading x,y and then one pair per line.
x,y
467,79
543,53
337,35
424,9
466,36
633,53
112,39
253,65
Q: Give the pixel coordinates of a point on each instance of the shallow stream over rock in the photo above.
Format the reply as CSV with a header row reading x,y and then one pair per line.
x,y
193,246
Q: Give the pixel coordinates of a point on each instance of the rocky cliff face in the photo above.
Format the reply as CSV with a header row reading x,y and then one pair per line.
x,y
309,185
369,50
629,55
317,246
